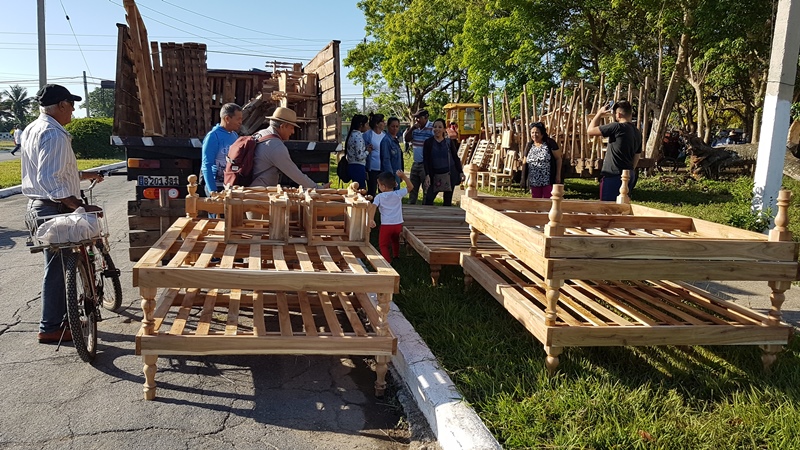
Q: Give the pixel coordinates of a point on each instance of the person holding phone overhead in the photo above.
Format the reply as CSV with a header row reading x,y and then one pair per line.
x,y
624,147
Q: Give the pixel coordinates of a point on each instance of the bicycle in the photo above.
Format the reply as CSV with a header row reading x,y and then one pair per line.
x,y
87,264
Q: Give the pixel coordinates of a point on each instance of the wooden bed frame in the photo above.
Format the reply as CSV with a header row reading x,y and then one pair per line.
x,y
558,244
256,293
442,245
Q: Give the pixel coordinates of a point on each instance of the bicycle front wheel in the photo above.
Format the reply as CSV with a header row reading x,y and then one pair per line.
x,y
81,311
112,298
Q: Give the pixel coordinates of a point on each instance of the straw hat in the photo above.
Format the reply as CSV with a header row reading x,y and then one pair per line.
x,y
285,115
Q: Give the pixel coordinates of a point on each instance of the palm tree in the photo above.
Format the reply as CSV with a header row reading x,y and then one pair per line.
x,y
18,103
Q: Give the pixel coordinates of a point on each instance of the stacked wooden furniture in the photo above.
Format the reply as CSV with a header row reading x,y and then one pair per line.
x,y
465,149
229,287
589,273
486,156
504,178
311,91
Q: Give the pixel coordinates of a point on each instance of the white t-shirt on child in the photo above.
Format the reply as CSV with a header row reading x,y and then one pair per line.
x,y
390,204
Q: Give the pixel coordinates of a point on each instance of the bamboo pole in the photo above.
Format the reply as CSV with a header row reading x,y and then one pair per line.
x,y
645,115
485,118
573,120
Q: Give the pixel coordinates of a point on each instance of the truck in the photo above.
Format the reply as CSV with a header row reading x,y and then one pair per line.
x,y
167,100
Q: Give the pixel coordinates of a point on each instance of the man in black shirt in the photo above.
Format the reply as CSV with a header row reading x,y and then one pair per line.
x,y
624,147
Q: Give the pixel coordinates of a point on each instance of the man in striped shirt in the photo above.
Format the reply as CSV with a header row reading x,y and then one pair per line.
x,y
51,181
417,133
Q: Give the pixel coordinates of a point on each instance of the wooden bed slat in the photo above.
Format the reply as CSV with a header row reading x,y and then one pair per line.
x,y
204,323
232,325
259,327
351,314
308,317
330,315
183,313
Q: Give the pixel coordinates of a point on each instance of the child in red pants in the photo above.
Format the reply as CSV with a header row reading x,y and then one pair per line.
x,y
390,203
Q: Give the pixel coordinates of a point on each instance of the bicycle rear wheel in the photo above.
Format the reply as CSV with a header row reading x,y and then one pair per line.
x,y
81,311
112,298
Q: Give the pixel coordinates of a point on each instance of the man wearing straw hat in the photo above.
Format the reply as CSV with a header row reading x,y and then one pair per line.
x,y
272,157
51,181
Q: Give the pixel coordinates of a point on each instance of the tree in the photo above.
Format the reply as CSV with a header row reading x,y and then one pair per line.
x,y
349,109
101,103
18,104
409,48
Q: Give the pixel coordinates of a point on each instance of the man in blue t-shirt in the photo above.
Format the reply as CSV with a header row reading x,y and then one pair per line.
x,y
624,148
417,133
215,146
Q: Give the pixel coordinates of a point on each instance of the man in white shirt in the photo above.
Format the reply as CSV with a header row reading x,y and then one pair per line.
x,y
17,138
51,181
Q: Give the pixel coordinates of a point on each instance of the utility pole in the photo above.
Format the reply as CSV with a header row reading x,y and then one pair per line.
x,y
86,93
777,104
42,46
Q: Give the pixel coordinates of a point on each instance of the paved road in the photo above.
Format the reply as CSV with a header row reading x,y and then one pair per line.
x,y
5,154
52,400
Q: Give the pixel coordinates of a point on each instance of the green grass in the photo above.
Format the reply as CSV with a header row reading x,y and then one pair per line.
x,y
10,174
713,397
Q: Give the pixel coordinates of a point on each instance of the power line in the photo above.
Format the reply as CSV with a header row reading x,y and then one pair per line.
x,y
76,37
206,29
197,35
181,37
237,25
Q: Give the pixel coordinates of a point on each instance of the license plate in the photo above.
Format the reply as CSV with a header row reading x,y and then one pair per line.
x,y
149,180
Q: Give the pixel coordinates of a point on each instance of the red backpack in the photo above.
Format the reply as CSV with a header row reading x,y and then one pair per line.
x,y
239,168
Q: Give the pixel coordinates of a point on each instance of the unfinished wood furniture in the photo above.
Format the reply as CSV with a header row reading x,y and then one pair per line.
x,y
421,215
259,297
505,177
483,175
276,215
637,259
442,245
465,149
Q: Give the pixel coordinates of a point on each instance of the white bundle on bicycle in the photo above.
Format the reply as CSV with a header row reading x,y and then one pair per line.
x,y
75,227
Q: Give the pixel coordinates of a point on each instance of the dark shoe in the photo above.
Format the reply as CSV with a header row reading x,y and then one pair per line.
x,y
54,336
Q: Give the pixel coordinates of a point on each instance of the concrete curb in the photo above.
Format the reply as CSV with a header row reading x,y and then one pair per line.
x,y
14,190
455,424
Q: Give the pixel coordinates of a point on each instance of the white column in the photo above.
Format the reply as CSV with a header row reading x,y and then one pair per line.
x,y
777,103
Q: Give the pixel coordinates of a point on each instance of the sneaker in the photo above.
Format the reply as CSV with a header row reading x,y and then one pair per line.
x,y
55,336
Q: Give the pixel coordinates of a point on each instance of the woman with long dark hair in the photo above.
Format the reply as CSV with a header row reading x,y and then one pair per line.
x,y
544,162
374,137
443,170
356,151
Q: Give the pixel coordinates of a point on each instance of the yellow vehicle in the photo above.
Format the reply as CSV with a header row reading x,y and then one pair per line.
x,y
466,115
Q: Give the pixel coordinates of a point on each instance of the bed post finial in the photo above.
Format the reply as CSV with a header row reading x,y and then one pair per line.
x,y
553,227
781,231
623,197
472,181
191,199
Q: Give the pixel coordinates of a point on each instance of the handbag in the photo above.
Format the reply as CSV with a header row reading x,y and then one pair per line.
x,y
441,182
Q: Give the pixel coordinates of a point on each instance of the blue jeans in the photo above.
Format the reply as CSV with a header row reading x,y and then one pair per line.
x,y
609,187
358,174
54,295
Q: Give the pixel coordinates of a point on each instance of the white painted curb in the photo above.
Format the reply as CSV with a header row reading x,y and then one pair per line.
x,y
455,424
14,190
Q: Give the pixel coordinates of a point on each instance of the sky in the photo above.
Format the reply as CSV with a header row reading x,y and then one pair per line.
x,y
240,35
